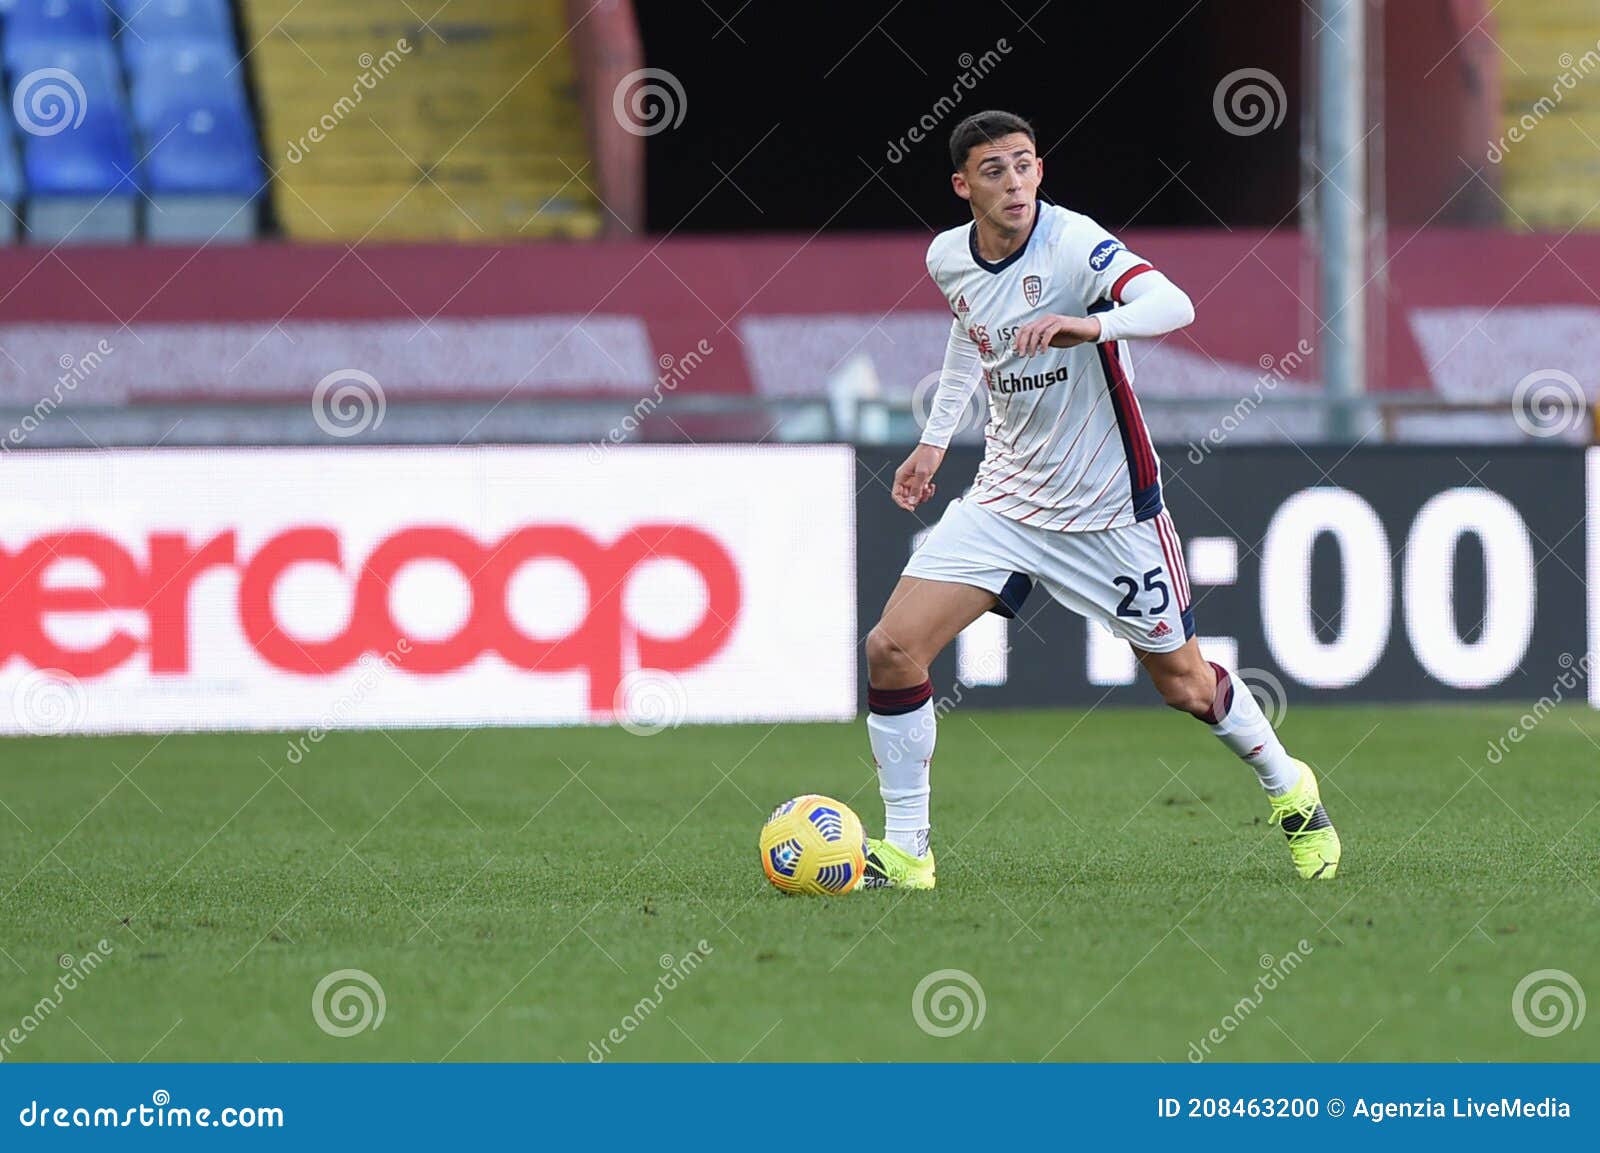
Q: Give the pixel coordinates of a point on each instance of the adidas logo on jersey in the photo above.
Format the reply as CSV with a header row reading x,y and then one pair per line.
x,y
1162,629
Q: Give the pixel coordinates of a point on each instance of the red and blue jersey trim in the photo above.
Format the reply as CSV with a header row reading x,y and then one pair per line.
x,y
1144,476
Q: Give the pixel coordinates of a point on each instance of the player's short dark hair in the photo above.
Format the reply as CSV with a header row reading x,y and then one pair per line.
x,y
981,128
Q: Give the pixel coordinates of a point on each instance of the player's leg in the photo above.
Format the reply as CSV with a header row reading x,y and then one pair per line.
x,y
1133,580
1204,689
921,618
1188,681
967,566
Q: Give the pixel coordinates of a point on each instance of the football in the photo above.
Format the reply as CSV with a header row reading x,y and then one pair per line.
x,y
813,844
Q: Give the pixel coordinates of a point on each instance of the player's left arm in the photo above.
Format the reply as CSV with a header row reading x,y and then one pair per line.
x,y
1150,305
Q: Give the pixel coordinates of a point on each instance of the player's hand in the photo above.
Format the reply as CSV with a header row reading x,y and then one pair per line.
x,y
1056,332
913,480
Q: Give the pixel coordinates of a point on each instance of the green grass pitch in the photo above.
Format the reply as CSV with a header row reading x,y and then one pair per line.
x,y
1107,879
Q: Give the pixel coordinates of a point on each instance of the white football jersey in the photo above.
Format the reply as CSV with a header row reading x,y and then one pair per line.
x,y
1066,445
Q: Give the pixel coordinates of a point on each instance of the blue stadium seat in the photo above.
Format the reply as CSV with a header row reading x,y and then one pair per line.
x,y
94,159
205,148
68,102
10,184
92,63
35,20
154,21
166,79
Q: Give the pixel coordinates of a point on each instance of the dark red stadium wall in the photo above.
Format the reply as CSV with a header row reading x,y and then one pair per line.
x,y
685,290
789,120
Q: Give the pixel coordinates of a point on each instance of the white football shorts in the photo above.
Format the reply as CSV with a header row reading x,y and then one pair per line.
x,y
1130,579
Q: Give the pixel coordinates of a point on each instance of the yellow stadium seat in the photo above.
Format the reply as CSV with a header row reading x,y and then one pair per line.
x,y
383,122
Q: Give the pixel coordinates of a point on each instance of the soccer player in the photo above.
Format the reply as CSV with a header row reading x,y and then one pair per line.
x,y
1068,495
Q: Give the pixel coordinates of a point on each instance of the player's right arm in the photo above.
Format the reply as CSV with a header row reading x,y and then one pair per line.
x,y
913,480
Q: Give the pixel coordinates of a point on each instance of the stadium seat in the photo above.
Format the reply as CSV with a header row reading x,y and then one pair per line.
x,y
92,63
81,182
193,115
166,79
77,144
156,21
502,144
202,174
31,21
10,185
1548,176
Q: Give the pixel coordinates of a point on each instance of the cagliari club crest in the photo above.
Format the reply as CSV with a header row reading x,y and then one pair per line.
x,y
1032,287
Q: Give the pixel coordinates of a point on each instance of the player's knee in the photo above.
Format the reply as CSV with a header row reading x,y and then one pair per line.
x,y
888,658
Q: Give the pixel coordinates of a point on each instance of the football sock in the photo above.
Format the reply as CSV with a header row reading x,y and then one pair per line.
x,y
1239,723
900,725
